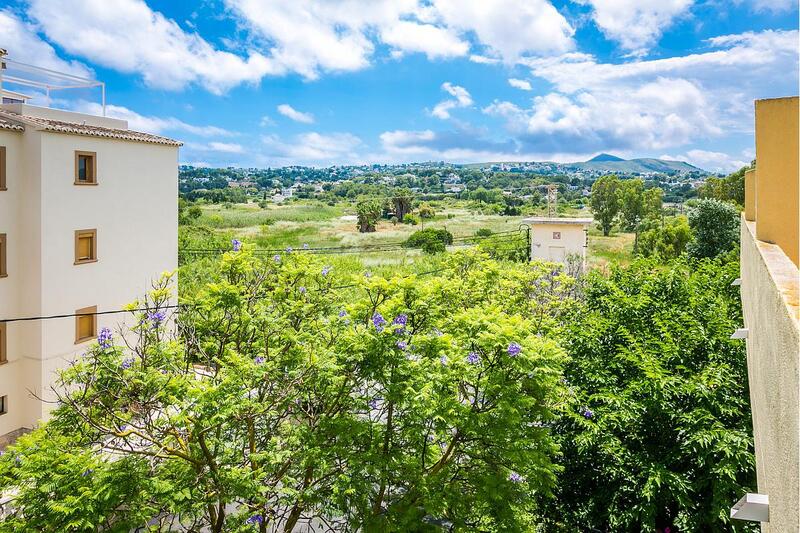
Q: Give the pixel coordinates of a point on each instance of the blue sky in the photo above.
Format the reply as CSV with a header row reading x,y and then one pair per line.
x,y
319,82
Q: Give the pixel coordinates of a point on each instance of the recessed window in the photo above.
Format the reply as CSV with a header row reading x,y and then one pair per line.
x,y
85,324
3,255
85,168
3,405
556,235
3,343
2,168
85,246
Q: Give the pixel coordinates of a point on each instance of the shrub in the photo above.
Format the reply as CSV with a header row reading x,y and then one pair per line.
x,y
484,232
410,219
430,240
715,228
667,242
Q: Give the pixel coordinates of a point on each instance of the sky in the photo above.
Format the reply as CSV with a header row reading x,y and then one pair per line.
x,y
322,82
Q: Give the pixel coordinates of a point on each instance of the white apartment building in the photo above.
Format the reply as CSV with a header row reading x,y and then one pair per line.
x,y
560,240
88,218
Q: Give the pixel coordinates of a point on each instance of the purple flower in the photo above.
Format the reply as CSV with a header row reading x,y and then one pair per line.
x,y
104,339
431,437
276,258
514,349
288,249
587,413
256,519
156,318
87,472
342,313
326,270
236,244
473,358
378,321
373,403
305,246
400,320
258,360
402,345
515,478
437,332
126,363
443,360
368,274
302,290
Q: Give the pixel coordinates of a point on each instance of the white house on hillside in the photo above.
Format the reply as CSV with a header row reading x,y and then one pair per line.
x,y
88,218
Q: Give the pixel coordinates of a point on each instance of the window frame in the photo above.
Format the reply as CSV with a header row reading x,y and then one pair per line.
x,y
556,235
3,404
81,313
3,255
80,233
93,156
3,170
3,343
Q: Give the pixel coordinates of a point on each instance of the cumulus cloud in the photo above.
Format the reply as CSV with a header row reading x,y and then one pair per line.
x,y
522,85
708,160
775,6
23,43
648,105
128,36
228,148
636,24
298,116
433,41
461,98
149,123
312,149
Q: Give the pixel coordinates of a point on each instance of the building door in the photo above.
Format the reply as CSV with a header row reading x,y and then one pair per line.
x,y
556,254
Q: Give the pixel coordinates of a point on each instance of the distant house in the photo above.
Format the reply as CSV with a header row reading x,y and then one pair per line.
x,y
560,240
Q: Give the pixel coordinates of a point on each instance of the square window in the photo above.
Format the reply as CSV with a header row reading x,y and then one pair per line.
x,y
3,255
2,168
3,405
85,324
85,168
3,343
556,235
85,246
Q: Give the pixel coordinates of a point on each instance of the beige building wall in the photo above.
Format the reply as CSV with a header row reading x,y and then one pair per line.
x,y
770,292
134,209
777,190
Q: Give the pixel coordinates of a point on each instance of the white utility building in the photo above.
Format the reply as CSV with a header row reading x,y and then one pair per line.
x,y
88,219
560,240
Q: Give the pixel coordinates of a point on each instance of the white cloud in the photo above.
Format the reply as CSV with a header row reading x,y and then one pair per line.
x,y
312,148
713,161
654,104
775,6
228,148
266,121
483,60
461,98
510,29
128,36
150,124
636,24
298,116
522,85
23,44
433,41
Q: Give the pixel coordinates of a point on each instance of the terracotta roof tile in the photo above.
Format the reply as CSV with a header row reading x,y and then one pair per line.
x,y
5,125
57,126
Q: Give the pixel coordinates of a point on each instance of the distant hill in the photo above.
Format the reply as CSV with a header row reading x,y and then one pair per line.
x,y
605,157
600,164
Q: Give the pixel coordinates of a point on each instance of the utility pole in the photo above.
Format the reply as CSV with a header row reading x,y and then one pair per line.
x,y
552,199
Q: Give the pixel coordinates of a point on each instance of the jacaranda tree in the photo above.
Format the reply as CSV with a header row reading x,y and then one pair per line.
x,y
292,396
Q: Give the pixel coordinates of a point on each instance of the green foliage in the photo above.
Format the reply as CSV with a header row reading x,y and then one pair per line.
x,y
484,232
636,203
665,242
727,189
715,228
605,201
378,408
411,219
426,211
368,212
430,240
658,434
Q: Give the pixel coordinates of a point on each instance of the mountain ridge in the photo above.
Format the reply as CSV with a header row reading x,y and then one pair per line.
x,y
602,163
